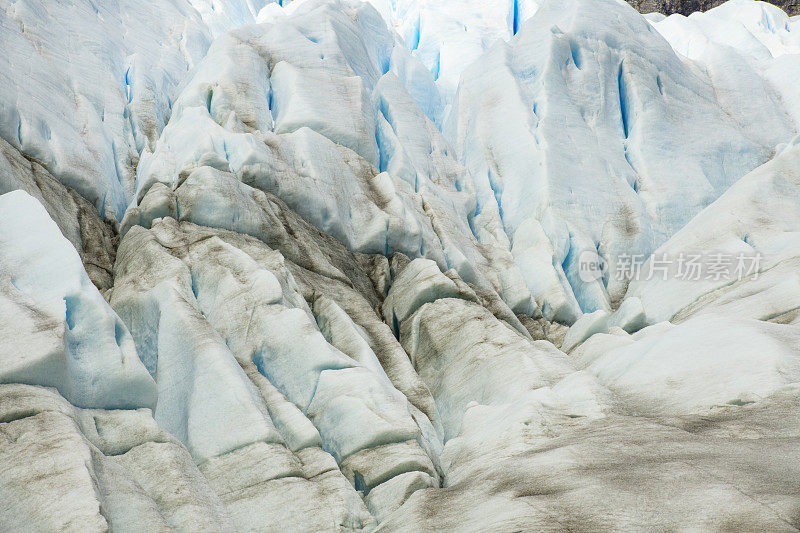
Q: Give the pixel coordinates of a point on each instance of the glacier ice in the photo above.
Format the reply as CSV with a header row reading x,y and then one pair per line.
x,y
609,184
66,468
93,98
667,370
756,219
320,265
78,220
57,330
421,208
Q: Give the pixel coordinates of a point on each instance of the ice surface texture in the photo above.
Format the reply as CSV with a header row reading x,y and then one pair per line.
x,y
317,266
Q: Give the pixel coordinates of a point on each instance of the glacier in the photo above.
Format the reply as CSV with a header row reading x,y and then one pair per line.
x,y
321,265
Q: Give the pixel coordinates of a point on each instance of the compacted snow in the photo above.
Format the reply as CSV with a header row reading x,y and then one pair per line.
x,y
331,265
